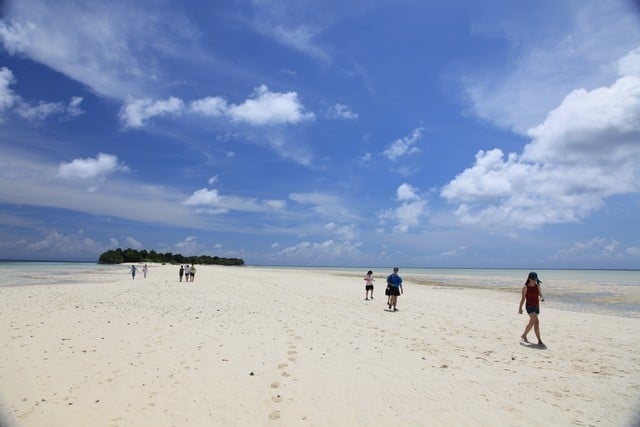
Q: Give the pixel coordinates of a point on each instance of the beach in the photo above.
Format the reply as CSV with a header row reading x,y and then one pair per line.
x,y
301,347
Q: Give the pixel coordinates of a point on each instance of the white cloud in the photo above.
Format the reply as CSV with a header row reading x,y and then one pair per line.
x,y
211,199
12,102
404,146
73,109
575,49
7,97
211,106
112,48
71,245
341,111
41,111
411,210
406,192
587,149
189,246
326,204
346,232
132,243
136,113
265,107
595,248
15,36
90,168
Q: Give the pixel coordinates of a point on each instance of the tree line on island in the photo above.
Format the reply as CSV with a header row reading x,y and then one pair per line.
x,y
119,256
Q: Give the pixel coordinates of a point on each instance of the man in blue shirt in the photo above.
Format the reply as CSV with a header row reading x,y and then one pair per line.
x,y
394,282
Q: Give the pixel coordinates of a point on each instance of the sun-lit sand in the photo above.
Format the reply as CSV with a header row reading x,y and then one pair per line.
x,y
249,346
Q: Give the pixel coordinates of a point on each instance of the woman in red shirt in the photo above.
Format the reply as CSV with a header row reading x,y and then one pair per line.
x,y
532,295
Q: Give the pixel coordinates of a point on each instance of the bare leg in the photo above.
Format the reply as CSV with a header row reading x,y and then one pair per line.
x,y
527,328
536,329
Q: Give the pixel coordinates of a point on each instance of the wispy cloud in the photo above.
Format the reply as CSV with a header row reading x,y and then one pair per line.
x,y
108,47
35,113
404,146
341,111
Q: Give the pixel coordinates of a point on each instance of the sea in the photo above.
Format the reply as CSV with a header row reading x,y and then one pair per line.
x,y
608,292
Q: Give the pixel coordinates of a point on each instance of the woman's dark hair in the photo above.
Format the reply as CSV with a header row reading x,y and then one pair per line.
x,y
369,272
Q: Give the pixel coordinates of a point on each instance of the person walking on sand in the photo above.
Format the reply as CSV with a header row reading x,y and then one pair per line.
x,y
145,270
531,297
133,270
192,272
181,272
394,283
187,273
368,285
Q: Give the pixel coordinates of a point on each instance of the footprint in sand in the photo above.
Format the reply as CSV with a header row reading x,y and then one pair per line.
x,y
282,365
277,398
274,415
275,384
285,374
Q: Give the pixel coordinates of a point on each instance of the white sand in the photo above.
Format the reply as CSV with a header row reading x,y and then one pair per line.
x,y
248,347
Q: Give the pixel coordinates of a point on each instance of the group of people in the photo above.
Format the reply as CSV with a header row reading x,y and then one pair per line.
x,y
393,291
531,296
188,272
133,270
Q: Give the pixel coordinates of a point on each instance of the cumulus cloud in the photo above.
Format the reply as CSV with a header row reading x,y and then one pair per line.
x,y
92,168
266,107
263,107
411,210
404,146
188,246
54,242
587,149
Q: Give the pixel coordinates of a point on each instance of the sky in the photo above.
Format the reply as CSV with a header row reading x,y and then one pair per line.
x,y
463,134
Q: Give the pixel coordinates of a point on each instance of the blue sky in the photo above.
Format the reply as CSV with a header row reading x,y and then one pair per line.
x,y
350,133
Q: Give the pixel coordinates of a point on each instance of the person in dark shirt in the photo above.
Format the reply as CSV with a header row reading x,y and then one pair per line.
x,y
531,297
394,283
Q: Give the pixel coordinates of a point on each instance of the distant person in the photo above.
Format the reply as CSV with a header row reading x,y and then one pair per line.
x,y
145,270
394,283
187,273
368,285
181,272
531,297
133,270
192,273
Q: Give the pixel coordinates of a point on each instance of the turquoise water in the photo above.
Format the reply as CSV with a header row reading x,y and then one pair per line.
x,y
613,292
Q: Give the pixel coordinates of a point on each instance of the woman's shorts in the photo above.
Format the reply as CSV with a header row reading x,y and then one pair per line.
x,y
531,309
394,290
369,287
